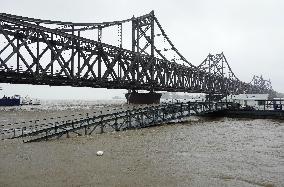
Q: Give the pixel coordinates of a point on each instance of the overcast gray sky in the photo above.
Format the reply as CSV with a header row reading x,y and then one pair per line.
x,y
249,32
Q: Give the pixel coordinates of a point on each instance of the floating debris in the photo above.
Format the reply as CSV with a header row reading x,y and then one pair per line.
x,y
100,153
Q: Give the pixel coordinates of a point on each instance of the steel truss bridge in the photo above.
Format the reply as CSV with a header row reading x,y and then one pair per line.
x,y
56,53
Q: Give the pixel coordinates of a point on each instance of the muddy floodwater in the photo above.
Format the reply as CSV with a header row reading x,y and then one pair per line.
x,y
202,152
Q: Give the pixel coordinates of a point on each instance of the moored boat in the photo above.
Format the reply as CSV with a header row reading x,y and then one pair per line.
x,y
10,101
28,101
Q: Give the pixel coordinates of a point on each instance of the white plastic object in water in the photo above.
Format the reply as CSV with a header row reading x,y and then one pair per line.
x,y
100,153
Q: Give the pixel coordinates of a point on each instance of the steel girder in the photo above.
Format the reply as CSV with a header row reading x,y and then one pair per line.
x,y
219,66
34,54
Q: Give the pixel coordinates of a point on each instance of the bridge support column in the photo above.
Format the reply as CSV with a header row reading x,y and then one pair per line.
x,y
134,97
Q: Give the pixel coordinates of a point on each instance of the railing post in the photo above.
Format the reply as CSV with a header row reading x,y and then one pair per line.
x,y
101,125
23,131
129,119
115,123
173,111
264,106
181,110
85,128
142,120
46,135
154,116
55,128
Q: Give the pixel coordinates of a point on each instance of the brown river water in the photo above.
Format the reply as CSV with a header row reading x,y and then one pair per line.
x,y
200,152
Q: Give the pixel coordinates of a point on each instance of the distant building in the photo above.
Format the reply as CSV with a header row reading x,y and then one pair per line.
x,y
182,96
247,99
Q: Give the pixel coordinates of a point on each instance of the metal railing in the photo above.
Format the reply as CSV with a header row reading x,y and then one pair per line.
x,y
117,120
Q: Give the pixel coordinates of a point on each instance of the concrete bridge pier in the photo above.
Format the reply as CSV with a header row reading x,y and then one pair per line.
x,y
133,97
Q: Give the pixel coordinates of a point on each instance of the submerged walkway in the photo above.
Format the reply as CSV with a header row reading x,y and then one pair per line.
x,y
115,120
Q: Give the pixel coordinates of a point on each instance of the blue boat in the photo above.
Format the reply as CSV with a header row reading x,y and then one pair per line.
x,y
10,101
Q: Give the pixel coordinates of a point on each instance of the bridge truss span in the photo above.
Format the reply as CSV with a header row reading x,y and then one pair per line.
x,y
44,52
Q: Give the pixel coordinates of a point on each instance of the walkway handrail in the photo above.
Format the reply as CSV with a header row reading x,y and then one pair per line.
x,y
119,120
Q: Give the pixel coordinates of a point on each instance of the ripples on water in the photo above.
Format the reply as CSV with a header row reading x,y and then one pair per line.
x,y
47,105
54,108
226,152
219,152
